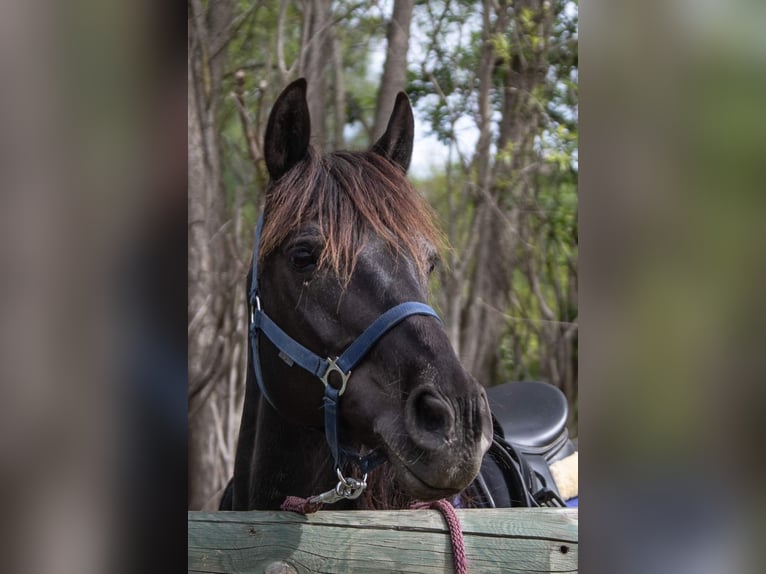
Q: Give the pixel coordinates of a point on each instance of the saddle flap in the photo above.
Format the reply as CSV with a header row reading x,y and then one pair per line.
x,y
532,414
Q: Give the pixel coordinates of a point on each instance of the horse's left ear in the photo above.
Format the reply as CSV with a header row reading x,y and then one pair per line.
x,y
288,130
396,143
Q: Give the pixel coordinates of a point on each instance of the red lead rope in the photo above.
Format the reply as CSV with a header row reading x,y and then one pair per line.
x,y
455,532
303,506
300,505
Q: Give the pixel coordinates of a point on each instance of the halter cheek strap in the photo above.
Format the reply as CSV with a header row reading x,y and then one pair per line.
x,y
323,368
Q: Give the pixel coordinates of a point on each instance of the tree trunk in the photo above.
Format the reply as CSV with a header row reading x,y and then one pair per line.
x,y
208,288
395,68
484,315
491,254
316,50
339,110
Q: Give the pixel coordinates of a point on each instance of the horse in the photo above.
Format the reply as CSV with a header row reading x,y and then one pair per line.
x,y
345,246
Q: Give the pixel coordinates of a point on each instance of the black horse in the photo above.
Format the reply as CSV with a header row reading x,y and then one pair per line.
x,y
340,270
346,238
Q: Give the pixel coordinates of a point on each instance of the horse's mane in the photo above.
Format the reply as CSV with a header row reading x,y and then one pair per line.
x,y
349,195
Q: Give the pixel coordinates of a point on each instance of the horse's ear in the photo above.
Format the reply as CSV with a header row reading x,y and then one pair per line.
x,y
396,143
288,130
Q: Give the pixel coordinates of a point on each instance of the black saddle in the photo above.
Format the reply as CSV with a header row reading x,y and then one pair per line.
x,y
530,433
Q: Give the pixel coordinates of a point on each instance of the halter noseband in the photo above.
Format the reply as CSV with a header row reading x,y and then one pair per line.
x,y
322,368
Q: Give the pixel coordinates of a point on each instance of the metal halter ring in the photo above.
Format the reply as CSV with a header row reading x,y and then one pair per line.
x,y
348,487
332,367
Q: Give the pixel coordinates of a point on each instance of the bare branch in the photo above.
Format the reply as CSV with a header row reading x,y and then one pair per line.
x,y
283,71
252,143
572,326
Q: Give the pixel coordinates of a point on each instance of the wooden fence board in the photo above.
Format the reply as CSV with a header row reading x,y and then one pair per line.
x,y
417,541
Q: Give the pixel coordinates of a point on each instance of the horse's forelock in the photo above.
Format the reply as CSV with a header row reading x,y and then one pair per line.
x,y
349,195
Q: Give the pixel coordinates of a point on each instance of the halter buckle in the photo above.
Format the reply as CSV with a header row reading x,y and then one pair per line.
x,y
332,367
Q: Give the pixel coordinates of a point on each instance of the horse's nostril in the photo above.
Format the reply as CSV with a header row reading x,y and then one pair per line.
x,y
433,413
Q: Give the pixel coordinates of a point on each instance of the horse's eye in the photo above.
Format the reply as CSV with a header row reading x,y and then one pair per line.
x,y
303,258
432,263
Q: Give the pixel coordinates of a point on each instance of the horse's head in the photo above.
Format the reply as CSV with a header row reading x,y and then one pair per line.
x,y
346,238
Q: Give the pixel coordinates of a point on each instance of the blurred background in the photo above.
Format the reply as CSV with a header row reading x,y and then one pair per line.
x,y
494,90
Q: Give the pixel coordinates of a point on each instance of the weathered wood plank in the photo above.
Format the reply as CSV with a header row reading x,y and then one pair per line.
x,y
417,541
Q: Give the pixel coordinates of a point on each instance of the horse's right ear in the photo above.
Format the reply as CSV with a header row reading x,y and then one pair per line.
x,y
288,130
396,143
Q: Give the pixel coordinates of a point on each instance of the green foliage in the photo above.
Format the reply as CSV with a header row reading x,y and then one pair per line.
x,y
538,181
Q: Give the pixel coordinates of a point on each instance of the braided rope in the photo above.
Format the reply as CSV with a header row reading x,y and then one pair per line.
x,y
455,531
299,505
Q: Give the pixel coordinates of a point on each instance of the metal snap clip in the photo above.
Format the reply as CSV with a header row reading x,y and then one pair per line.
x,y
348,487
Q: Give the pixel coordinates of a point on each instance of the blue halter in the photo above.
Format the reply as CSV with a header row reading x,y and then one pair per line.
x,y
320,367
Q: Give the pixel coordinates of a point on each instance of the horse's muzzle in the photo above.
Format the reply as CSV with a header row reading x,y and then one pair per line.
x,y
446,441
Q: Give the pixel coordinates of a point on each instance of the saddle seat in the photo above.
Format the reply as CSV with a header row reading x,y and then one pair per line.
x,y
533,417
